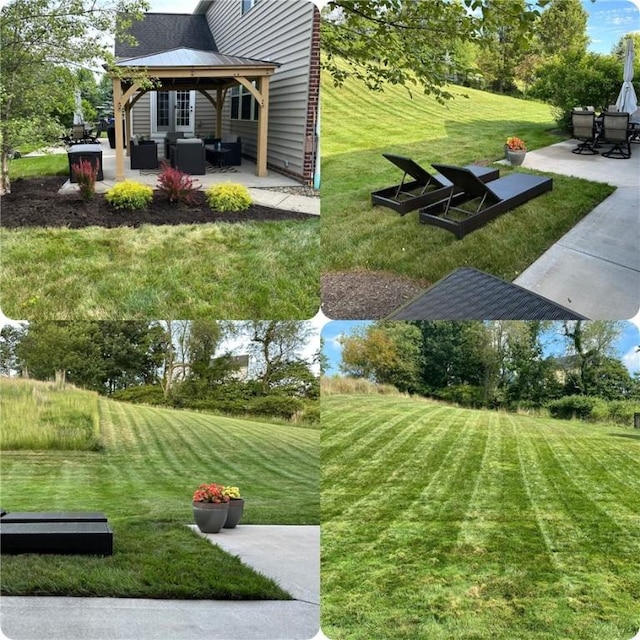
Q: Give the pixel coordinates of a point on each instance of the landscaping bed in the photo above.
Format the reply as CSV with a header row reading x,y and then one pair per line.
x,y
35,202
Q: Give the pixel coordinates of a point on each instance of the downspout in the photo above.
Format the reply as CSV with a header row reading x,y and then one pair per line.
x,y
316,170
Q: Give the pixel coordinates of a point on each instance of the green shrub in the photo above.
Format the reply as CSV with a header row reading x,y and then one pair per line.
x,y
310,414
228,197
144,394
466,395
572,407
129,195
278,406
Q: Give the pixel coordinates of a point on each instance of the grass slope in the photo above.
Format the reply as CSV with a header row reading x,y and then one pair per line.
x,y
358,126
41,415
448,523
152,461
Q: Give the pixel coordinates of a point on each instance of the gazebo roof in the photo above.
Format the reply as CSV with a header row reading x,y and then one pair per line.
x,y
185,57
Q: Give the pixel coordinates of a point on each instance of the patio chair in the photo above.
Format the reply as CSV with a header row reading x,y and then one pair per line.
x,y
189,156
583,124
424,189
170,138
144,154
493,199
616,131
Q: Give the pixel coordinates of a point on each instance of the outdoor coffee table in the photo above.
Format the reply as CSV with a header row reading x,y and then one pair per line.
x,y
216,155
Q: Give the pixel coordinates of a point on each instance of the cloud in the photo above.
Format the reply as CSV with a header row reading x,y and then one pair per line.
x,y
631,359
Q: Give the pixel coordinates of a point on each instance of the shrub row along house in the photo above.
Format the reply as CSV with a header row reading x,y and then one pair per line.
x,y
245,69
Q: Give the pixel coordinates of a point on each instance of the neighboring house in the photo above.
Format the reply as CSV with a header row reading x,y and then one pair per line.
x,y
233,68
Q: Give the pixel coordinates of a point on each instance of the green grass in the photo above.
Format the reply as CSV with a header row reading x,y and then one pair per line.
x,y
41,415
466,130
448,523
143,479
248,270
33,167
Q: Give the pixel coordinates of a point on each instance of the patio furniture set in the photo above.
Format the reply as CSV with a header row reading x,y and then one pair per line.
x,y
70,532
458,199
610,128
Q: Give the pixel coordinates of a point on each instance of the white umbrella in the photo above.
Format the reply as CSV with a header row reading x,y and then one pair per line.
x,y
78,116
627,100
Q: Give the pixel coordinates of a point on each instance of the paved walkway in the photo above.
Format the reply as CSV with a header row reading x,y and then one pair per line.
x,y
289,554
244,174
594,269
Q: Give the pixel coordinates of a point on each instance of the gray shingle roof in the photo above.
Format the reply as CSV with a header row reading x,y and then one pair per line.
x,y
161,31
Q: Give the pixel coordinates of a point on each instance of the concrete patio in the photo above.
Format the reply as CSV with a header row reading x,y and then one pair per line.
x,y
594,269
260,188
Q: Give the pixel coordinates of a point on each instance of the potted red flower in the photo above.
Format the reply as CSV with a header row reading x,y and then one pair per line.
x,y
210,507
516,150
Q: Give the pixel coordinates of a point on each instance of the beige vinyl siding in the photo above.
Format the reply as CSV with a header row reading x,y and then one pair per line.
x,y
141,117
277,31
205,116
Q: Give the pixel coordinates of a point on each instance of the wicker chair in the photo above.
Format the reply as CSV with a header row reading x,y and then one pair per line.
x,y
188,156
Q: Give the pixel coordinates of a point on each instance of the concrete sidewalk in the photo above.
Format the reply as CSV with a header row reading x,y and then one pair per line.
x,y
289,554
594,269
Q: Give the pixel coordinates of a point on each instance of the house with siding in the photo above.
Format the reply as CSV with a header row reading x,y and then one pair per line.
x,y
245,69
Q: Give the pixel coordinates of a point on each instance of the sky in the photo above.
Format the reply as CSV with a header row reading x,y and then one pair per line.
x,y
333,331
609,20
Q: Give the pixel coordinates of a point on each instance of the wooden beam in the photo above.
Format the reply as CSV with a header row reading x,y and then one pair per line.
x,y
118,106
263,129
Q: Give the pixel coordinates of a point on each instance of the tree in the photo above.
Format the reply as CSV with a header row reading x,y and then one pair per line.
x,y
591,344
103,356
277,347
39,38
10,337
406,42
562,28
385,352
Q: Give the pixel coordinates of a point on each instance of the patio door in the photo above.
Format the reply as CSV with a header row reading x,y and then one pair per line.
x,y
173,111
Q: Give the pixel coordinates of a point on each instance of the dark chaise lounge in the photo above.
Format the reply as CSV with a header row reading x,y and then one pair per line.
x,y
482,202
470,294
71,532
425,187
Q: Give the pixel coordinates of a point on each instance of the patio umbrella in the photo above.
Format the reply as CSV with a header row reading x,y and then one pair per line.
x,y
78,116
627,100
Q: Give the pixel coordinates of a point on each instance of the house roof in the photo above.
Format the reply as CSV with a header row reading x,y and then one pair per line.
x,y
162,31
187,57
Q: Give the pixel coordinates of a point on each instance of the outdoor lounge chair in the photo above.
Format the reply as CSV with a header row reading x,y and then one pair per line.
x,y
493,199
583,124
71,532
616,131
470,294
424,189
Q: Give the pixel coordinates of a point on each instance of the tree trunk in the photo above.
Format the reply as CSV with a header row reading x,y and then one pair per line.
x,y
5,184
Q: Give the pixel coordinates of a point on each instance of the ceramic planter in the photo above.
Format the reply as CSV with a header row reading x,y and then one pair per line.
x,y
516,158
236,507
210,516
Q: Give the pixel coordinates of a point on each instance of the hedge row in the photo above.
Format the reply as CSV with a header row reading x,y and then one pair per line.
x,y
594,409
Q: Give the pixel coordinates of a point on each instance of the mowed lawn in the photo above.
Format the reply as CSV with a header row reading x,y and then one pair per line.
x,y
359,125
143,480
448,523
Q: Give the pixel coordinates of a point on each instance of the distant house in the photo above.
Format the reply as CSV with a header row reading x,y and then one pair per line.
x,y
233,68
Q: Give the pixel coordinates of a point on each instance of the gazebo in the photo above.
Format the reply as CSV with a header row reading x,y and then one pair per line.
x,y
182,68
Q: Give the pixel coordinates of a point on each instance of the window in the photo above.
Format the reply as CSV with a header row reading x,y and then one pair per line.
x,y
248,4
162,107
243,104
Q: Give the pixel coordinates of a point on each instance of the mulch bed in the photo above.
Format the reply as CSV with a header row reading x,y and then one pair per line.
x,y
365,295
34,202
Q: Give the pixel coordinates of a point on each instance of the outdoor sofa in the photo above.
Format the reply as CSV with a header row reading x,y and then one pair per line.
x,y
493,199
69,532
425,187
